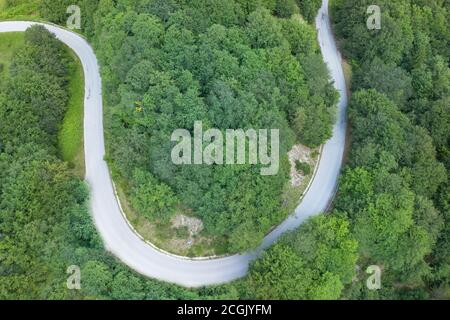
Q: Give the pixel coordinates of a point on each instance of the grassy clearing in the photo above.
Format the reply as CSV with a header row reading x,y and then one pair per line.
x,y
22,9
348,74
9,43
70,138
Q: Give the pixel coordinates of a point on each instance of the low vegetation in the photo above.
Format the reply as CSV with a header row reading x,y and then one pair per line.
x,y
19,9
9,43
70,137
303,167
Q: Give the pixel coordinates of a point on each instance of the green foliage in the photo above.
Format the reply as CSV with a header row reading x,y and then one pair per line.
x,y
233,64
389,43
304,167
229,64
313,262
280,274
127,287
286,8
55,11
45,225
9,42
35,91
389,79
70,136
252,5
309,8
383,197
38,196
156,201
301,37
96,279
16,9
263,30
394,190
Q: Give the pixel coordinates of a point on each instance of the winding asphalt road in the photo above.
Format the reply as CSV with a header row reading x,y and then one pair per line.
x,y
119,238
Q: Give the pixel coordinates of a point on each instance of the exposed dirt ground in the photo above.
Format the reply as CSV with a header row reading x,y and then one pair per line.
x,y
302,154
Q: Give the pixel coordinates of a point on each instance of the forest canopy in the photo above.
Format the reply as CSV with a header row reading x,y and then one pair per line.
x,y
392,200
233,63
229,64
45,224
395,190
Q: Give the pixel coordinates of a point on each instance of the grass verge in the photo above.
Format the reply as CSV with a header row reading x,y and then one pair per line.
x,y
9,43
70,137
21,9
348,74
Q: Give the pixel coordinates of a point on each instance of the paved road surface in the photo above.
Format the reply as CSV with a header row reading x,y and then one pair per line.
x,y
121,241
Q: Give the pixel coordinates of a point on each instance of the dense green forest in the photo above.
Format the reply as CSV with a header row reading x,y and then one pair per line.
x,y
392,203
392,206
229,65
395,190
45,225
